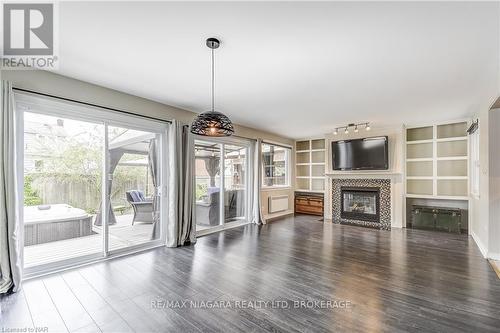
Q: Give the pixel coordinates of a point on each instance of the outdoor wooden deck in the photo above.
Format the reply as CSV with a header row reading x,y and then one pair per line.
x,y
122,234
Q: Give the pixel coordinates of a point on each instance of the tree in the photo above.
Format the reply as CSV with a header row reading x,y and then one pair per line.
x,y
75,160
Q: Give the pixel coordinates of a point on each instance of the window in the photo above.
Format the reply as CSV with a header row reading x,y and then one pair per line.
x,y
38,165
474,163
276,165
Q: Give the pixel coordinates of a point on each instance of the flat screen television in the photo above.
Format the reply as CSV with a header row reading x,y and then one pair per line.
x,y
361,154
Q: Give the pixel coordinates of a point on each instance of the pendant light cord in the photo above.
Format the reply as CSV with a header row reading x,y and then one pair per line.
x,y
213,81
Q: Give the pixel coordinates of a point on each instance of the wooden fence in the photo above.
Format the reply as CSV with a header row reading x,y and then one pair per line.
x,y
84,192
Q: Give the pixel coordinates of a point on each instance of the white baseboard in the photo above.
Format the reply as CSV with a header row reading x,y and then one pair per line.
x,y
479,244
397,224
277,215
494,256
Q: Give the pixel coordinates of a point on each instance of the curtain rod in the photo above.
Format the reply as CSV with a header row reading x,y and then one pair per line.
x,y
277,144
90,104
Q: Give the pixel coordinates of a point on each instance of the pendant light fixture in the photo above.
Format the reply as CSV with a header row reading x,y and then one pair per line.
x,y
212,123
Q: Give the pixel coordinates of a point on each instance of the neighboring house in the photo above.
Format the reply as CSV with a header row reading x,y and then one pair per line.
x,y
40,141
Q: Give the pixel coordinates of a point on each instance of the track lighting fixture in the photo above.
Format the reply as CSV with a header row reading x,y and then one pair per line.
x,y
356,128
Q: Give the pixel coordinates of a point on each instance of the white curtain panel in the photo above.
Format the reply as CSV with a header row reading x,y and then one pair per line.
x,y
10,237
181,222
257,183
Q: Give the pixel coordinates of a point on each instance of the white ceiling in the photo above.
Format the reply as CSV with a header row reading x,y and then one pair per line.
x,y
295,69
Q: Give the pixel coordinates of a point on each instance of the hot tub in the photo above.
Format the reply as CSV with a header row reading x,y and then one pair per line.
x,y
50,223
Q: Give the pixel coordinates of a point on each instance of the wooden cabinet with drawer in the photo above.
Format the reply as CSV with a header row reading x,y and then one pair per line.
x,y
309,203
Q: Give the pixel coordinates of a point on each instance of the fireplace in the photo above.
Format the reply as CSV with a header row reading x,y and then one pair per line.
x,y
360,203
383,202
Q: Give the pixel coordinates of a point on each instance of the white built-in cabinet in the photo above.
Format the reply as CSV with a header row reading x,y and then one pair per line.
x,y
310,164
437,161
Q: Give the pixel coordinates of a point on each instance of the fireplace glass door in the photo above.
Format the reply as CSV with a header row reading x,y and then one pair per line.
x,y
360,204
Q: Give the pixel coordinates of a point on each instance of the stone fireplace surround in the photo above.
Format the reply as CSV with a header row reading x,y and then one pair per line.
x,y
385,201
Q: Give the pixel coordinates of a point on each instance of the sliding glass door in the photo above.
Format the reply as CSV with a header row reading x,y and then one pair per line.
x,y
63,169
207,184
134,171
221,164
93,182
235,183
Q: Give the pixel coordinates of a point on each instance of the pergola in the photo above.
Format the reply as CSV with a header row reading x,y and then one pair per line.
x,y
132,142
208,152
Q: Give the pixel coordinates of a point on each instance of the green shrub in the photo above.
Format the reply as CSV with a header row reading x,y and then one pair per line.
x,y
201,190
31,197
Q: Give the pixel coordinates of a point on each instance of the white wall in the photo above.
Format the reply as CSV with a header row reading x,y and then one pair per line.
x,y
394,134
494,185
479,215
485,210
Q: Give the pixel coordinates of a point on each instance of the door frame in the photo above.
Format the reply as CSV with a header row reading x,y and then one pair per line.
x,y
249,165
50,106
149,126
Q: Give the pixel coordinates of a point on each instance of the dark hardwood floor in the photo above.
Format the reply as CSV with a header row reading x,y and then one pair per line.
x,y
399,280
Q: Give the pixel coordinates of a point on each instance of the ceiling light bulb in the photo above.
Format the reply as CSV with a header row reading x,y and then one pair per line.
x,y
212,130
335,132
346,131
367,127
356,129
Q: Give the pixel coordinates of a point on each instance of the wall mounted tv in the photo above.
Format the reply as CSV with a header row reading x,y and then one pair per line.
x,y
361,154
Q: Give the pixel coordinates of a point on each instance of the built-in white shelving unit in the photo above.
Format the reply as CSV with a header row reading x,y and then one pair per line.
x,y
310,163
437,161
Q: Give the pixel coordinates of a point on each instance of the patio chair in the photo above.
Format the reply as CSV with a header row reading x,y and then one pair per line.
x,y
207,213
143,208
